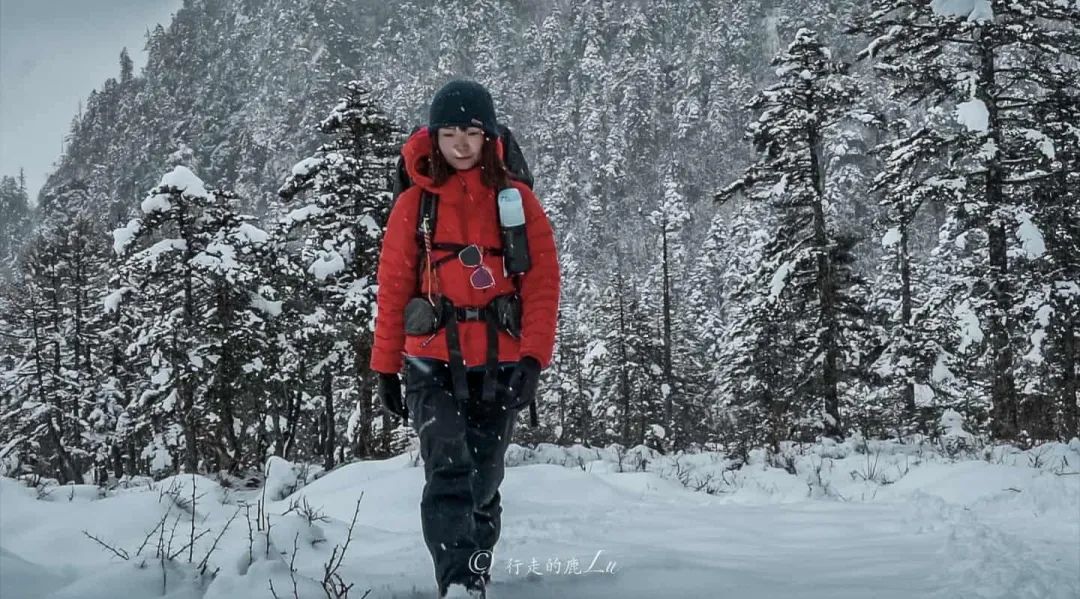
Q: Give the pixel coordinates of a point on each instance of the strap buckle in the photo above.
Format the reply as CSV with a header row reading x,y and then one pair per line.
x,y
471,313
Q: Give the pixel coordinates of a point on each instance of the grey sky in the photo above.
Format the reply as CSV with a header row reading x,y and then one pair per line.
x,y
52,53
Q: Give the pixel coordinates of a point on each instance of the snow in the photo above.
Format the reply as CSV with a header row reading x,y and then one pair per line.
x,y
154,252
657,431
891,238
1031,238
951,424
158,454
779,188
924,395
162,376
941,372
255,365
1042,142
953,183
112,301
269,307
328,264
123,236
304,167
779,280
158,202
968,323
905,520
987,151
973,115
184,180
1038,336
252,234
283,478
300,215
974,10
1067,288
595,351
370,227
219,258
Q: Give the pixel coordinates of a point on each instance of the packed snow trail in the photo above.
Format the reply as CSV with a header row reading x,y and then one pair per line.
x,y
939,529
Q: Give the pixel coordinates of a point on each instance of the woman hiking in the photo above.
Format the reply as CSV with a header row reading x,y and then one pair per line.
x,y
467,306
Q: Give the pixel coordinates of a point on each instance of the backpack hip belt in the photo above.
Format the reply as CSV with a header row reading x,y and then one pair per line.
x,y
502,313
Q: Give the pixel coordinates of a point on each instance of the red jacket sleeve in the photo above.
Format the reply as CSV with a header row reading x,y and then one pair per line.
x,y
540,285
397,282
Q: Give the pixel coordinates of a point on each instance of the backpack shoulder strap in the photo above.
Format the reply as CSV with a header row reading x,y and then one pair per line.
x,y
427,213
425,222
514,158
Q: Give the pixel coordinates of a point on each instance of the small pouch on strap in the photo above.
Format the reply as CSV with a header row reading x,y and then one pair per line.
x,y
507,310
421,318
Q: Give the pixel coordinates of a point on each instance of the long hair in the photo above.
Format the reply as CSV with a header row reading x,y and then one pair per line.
x,y
492,170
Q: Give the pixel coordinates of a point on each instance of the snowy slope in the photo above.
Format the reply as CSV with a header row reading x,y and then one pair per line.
x,y
886,521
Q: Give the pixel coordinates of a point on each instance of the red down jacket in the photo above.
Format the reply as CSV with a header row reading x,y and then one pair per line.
x,y
466,214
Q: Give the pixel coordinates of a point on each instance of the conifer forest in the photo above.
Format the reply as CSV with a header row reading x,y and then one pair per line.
x,y
776,221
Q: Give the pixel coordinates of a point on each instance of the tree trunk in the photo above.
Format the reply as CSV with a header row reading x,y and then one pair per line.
x,y
180,359
1004,405
826,285
330,436
624,380
1070,388
908,394
668,374
364,444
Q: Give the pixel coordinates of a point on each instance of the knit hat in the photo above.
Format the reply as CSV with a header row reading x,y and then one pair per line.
x,y
462,103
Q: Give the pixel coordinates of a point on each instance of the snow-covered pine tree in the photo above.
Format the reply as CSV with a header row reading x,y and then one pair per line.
x,y
914,364
804,277
190,297
346,187
996,64
621,365
14,220
38,421
118,383
1049,371
233,330
666,282
565,397
82,255
53,319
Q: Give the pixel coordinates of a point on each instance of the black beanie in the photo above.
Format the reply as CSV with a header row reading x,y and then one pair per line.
x,y
462,103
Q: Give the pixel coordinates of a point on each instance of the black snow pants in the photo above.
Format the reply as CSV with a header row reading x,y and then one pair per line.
x,y
462,447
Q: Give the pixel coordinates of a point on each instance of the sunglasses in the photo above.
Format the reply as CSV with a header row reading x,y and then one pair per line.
x,y
473,257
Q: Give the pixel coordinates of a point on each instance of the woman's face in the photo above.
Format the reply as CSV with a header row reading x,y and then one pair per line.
x,y
461,147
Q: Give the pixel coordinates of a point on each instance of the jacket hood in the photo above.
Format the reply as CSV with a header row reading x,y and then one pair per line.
x,y
417,151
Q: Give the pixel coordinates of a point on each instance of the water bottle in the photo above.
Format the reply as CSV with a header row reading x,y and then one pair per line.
x,y
512,226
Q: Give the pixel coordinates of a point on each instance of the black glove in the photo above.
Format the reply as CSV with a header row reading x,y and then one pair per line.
x,y
390,394
523,383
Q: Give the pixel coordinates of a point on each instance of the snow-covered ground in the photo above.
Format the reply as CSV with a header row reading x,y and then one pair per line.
x,y
854,520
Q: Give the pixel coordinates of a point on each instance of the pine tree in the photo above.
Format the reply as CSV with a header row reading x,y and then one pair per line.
x,y
34,423
14,220
995,64
189,295
915,365
349,183
127,67
805,266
